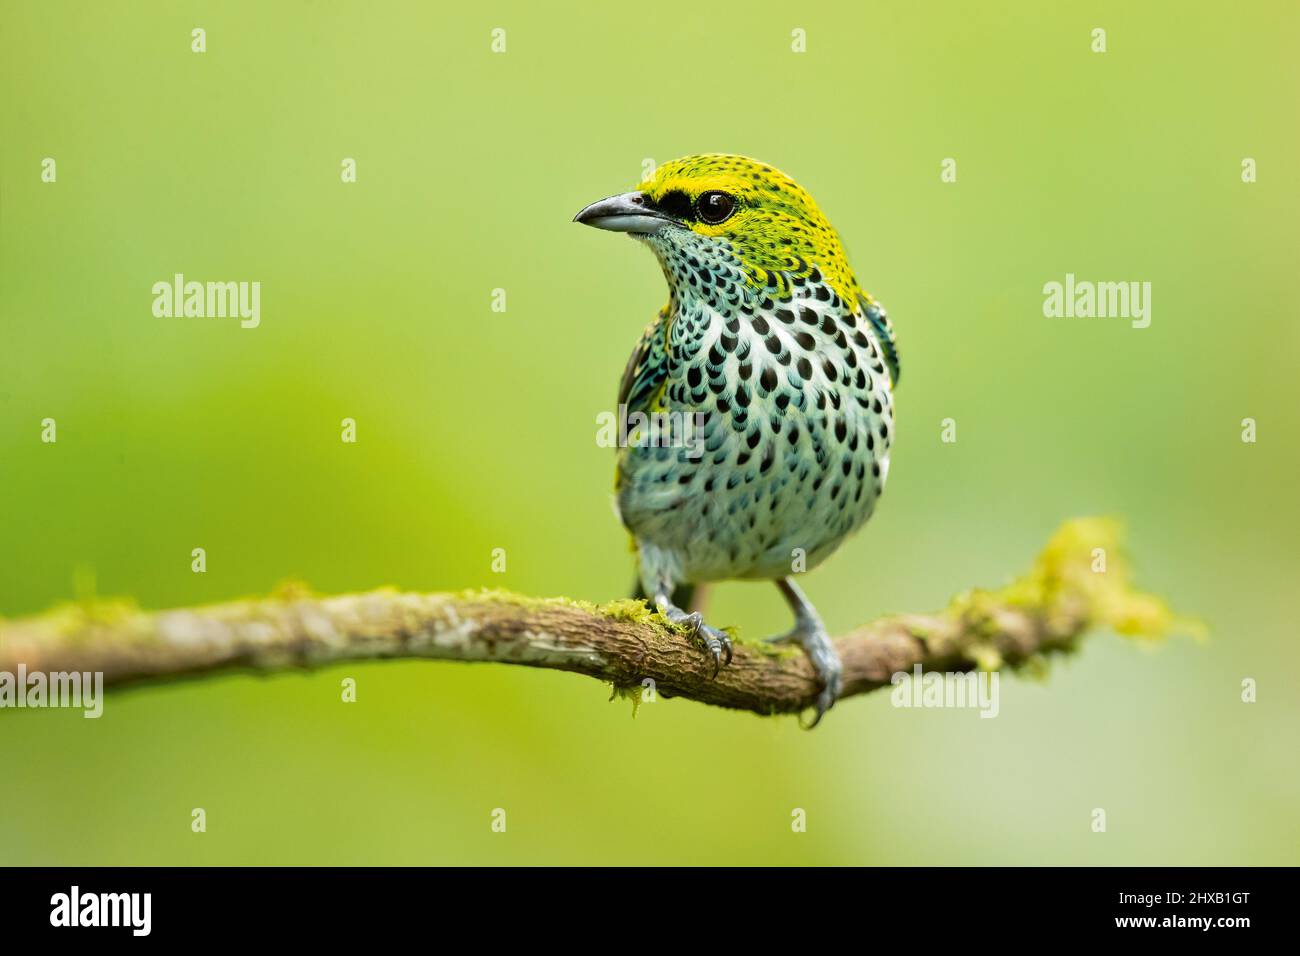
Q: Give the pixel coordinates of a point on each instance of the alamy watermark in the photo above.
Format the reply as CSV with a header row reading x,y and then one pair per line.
x,y
74,689
208,300
622,429
1082,299
977,690
75,908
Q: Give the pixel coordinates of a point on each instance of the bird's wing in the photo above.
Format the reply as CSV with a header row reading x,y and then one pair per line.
x,y
646,370
880,323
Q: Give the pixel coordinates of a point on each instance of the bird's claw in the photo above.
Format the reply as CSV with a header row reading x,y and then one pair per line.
x,y
832,684
716,642
825,662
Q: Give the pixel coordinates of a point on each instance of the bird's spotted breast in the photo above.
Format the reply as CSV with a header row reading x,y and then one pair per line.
x,y
796,395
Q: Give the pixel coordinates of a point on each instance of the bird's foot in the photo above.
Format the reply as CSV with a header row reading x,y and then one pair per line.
x,y
816,644
716,642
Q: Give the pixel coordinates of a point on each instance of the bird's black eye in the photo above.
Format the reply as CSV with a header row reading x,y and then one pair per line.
x,y
714,207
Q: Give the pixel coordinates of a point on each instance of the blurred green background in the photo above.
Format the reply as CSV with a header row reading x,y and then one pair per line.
x,y
477,429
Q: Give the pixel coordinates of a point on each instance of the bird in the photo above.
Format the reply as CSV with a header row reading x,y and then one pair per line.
x,y
779,368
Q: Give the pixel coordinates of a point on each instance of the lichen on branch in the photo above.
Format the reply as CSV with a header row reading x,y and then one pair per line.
x,y
1080,582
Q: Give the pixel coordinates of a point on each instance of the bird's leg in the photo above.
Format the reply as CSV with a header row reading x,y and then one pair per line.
x,y
810,634
716,642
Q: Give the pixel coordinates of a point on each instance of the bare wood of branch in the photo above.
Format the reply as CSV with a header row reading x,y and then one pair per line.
x,y
1046,610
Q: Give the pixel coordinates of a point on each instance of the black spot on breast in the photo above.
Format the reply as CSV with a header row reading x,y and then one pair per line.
x,y
768,378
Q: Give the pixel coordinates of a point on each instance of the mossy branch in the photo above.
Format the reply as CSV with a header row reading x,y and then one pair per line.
x,y
1043,612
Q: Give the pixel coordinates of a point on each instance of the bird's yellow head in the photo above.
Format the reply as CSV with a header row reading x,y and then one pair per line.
x,y
748,211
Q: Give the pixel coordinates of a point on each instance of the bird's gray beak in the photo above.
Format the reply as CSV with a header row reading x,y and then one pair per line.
x,y
630,212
